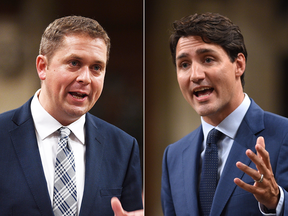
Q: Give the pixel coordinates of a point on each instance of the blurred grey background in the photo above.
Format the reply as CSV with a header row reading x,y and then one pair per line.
x,y
168,117
22,23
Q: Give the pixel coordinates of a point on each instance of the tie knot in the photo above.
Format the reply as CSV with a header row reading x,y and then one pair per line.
x,y
64,132
213,136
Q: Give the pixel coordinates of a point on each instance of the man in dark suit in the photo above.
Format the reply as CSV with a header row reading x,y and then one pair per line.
x,y
73,55
209,53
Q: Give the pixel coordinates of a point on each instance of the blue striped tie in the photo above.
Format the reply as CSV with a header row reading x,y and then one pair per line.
x,y
208,180
65,193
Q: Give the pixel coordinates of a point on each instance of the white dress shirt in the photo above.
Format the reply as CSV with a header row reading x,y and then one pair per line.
x,y
229,127
47,137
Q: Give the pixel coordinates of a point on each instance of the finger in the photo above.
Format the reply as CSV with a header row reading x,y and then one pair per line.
x,y
117,207
136,213
260,141
264,155
258,161
245,186
254,174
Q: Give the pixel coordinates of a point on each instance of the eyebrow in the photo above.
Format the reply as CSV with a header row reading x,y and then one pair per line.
x,y
75,56
198,52
183,55
205,50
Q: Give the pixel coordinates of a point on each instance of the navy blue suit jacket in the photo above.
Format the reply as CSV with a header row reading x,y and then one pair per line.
x,y
112,168
180,175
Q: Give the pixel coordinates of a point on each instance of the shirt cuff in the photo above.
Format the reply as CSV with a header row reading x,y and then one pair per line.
x,y
278,208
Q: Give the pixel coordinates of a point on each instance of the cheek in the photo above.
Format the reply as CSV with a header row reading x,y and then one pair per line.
x,y
187,93
183,82
60,78
184,87
97,86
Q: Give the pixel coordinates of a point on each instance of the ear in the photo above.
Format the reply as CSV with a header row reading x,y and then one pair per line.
x,y
41,65
240,64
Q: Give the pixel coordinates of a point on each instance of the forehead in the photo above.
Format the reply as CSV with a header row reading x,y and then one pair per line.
x,y
192,45
80,44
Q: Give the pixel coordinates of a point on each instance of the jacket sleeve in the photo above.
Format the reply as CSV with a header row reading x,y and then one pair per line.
x,y
281,172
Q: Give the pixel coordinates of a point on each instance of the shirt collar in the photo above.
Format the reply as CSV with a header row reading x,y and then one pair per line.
x,y
45,124
229,126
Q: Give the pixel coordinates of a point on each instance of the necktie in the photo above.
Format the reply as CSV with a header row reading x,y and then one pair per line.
x,y
208,180
65,194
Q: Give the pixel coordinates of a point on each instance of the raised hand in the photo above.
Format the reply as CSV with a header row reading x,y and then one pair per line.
x,y
119,211
265,188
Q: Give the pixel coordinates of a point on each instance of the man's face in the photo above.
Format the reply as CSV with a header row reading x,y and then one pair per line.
x,y
72,80
209,81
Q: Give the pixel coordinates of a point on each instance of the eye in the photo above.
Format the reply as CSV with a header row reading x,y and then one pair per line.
x,y
184,65
74,63
97,67
208,60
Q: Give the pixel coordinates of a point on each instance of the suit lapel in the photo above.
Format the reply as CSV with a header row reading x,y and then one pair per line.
x,y
245,139
25,144
226,184
191,158
94,156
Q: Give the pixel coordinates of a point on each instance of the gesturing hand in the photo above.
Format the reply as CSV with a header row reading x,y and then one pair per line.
x,y
265,191
119,211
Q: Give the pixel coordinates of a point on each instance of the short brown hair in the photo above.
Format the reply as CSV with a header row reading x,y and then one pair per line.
x,y
212,28
55,32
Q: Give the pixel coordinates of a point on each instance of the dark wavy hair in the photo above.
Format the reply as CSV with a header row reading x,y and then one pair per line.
x,y
212,28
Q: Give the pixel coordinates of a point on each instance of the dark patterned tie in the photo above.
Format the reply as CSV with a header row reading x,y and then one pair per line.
x,y
65,194
208,180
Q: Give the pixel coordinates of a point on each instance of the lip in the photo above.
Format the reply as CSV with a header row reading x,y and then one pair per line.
x,y
78,96
202,93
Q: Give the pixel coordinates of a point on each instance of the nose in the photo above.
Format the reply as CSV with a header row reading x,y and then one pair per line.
x,y
197,73
84,76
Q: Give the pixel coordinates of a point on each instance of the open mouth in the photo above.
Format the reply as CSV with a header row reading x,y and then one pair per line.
x,y
78,95
203,92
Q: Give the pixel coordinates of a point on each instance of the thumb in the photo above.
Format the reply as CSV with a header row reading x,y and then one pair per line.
x,y
117,207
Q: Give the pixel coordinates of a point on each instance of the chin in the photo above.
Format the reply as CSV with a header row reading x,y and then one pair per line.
x,y
77,113
204,112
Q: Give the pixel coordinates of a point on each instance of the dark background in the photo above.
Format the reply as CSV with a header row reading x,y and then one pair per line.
x,y
121,102
168,117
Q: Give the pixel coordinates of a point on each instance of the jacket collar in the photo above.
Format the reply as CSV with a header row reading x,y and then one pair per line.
x,y
95,146
26,148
